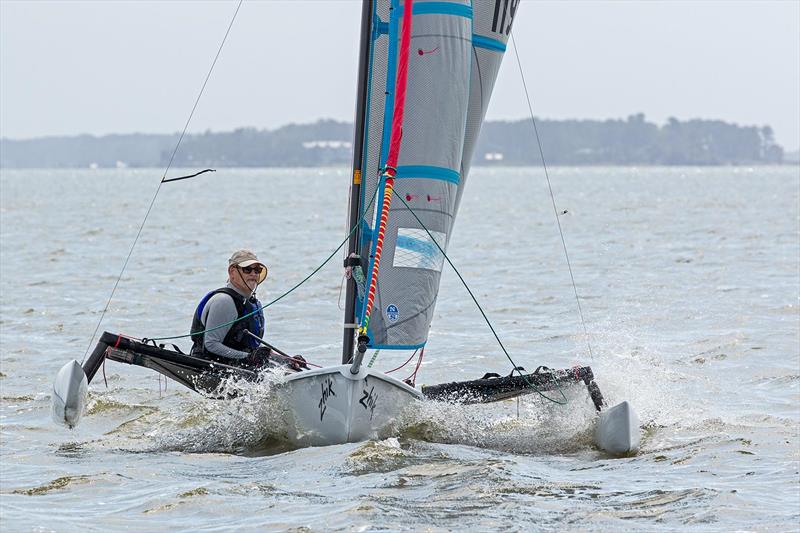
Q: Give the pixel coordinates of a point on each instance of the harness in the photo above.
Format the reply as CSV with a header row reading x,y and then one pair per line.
x,y
236,338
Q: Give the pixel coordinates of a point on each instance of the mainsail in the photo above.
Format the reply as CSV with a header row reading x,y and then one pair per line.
x,y
456,49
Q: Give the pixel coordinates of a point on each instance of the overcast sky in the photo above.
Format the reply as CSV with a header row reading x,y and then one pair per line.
x,y
120,67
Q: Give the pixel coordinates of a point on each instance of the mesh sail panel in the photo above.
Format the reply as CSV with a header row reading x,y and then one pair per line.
x,y
450,79
376,107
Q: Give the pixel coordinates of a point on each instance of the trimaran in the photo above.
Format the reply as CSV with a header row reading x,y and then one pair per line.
x,y
424,84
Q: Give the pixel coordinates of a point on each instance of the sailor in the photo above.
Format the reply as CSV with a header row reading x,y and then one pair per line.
x,y
217,332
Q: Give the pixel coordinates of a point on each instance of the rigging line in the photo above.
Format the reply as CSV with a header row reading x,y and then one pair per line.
x,y
248,315
404,364
552,197
485,318
374,356
203,88
153,201
413,377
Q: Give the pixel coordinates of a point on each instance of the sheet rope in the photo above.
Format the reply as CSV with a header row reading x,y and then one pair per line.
x,y
514,365
161,183
279,298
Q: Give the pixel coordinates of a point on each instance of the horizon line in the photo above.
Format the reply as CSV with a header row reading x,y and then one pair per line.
x,y
328,119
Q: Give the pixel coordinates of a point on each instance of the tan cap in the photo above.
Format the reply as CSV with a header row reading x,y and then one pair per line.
x,y
245,258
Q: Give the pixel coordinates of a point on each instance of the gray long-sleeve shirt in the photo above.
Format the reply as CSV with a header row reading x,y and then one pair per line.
x,y
220,309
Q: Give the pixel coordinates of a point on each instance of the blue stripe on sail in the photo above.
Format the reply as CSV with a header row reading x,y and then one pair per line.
x,y
374,247
366,232
388,110
380,28
472,61
367,235
397,346
391,77
490,44
423,171
376,22
442,8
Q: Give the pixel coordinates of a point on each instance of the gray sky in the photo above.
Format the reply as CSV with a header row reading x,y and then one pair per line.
x,y
119,67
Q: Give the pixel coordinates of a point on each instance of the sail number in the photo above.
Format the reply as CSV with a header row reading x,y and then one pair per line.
x,y
504,11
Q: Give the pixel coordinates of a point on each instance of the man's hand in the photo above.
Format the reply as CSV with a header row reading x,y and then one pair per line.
x,y
259,358
297,363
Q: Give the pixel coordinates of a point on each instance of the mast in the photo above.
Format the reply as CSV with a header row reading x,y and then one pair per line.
x,y
355,185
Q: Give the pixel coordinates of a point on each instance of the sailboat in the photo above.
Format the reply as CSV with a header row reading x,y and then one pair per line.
x,y
425,77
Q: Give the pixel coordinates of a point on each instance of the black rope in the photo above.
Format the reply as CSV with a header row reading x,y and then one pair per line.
x,y
187,177
516,368
282,296
160,183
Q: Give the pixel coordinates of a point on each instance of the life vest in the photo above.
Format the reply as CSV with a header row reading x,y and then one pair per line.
x,y
236,338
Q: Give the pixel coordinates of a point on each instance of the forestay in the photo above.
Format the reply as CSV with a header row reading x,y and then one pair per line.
x,y
456,50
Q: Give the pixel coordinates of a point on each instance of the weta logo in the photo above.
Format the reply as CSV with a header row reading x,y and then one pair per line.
x,y
369,400
327,392
504,11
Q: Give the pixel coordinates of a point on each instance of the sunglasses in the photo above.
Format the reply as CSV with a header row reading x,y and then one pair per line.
x,y
248,269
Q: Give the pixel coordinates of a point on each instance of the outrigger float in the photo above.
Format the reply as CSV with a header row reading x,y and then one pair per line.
x,y
426,74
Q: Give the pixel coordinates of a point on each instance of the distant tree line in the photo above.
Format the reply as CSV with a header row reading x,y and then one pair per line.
x,y
632,141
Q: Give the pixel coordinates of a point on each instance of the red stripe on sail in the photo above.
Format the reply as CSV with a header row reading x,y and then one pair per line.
x,y
400,89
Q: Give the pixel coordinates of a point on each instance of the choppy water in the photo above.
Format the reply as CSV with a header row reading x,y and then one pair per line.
x,y
689,285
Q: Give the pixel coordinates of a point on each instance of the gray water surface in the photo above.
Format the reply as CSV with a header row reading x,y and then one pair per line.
x,y
688,281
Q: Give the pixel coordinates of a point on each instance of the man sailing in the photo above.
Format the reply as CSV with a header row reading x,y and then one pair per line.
x,y
219,331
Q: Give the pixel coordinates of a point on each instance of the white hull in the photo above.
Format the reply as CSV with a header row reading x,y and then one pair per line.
x,y
332,406
70,390
617,430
